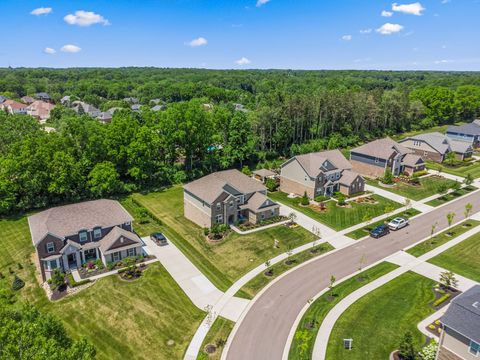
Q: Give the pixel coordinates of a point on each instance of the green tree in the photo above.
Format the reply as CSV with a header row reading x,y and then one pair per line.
x,y
387,177
304,200
450,158
104,180
468,210
468,179
407,349
450,216
448,279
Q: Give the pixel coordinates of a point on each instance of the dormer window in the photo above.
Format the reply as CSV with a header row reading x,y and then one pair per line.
x,y
50,247
231,204
219,206
83,236
97,233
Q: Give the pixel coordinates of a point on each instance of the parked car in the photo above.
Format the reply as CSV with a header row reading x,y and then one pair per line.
x,y
397,223
159,239
379,231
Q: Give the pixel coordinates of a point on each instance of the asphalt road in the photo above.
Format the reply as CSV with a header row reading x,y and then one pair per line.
x,y
264,330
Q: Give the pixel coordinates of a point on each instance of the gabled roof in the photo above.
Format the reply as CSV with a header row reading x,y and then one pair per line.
x,y
264,172
412,160
115,234
463,314
469,129
348,177
441,143
2,98
68,220
15,105
313,162
28,99
258,201
210,187
381,149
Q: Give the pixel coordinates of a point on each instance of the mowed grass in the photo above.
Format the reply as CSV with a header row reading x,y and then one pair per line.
x,y
466,168
429,185
451,196
217,336
123,320
336,217
378,321
442,238
462,259
306,332
225,261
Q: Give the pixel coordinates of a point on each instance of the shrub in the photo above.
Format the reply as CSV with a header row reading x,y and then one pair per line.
x,y
110,265
246,170
305,201
441,300
419,173
140,257
271,184
128,261
321,198
17,283
431,327
20,266
74,283
99,264
57,279
342,199
206,231
387,177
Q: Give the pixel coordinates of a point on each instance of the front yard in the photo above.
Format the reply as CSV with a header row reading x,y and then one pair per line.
x,y
378,321
462,169
225,261
429,185
339,218
463,259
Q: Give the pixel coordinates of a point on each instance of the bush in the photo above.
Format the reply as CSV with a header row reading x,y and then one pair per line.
x,y
271,184
305,201
17,283
57,279
321,198
341,199
441,300
206,231
110,265
246,170
74,283
99,264
419,173
387,177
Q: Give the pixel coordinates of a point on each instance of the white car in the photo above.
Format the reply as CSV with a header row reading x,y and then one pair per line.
x,y
397,223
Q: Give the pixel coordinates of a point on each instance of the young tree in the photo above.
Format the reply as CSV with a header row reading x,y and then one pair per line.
x,y
388,177
450,216
361,262
332,284
433,230
468,210
468,179
305,201
450,158
448,279
407,348
292,217
408,204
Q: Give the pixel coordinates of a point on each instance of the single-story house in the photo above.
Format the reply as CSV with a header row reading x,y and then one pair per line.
x,y
264,174
469,133
66,237
321,173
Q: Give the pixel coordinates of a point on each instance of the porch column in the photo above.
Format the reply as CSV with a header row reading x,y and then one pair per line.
x,y
65,262
78,259
97,255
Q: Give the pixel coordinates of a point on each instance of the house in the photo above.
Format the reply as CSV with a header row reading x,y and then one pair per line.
x,y
469,133
13,107
158,108
135,107
435,146
321,173
240,107
81,107
66,100
2,99
264,174
40,109
27,100
43,96
104,117
374,158
68,236
460,338
226,197
131,100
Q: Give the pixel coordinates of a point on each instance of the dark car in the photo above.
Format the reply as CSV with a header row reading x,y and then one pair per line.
x,y
159,239
379,231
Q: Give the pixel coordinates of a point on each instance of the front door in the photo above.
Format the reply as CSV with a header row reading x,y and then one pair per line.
x,y
72,260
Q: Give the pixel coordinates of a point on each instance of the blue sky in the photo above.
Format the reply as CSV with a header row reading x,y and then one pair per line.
x,y
295,34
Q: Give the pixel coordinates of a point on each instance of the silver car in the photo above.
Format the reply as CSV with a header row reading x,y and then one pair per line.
x,y
397,223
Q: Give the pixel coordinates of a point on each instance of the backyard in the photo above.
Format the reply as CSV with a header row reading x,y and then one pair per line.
x,y
429,185
339,218
225,261
463,259
391,310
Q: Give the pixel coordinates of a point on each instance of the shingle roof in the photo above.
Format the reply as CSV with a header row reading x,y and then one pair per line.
x,y
470,129
441,143
348,177
381,148
312,162
115,234
209,188
463,315
14,104
70,219
412,160
256,201
264,172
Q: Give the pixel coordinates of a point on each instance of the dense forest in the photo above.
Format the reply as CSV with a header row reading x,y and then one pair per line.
x,y
287,112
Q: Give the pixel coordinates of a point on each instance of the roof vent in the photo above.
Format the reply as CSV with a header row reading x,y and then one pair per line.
x,y
121,239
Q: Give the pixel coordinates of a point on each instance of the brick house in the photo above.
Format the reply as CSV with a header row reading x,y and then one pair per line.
x,y
225,197
66,237
320,173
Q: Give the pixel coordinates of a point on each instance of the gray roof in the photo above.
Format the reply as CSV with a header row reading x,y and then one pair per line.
x,y
258,201
210,187
158,107
470,129
381,148
348,177
105,116
68,220
441,143
264,172
463,315
43,95
2,98
312,162
115,234
87,108
136,107
412,160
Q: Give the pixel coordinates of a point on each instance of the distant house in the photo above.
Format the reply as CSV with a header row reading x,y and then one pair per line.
x,y
81,107
240,107
40,110
131,100
226,197
321,173
135,107
104,117
43,96
66,237
469,133
375,157
264,174
155,101
158,108
112,110
460,338
435,146
13,107
2,99
28,100
66,100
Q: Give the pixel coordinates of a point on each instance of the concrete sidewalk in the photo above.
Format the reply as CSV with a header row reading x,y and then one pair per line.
x,y
418,205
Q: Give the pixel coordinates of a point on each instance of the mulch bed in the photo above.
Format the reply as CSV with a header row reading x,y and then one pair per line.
x,y
59,293
210,349
268,273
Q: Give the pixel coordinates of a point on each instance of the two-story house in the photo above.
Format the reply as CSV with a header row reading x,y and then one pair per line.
x,y
225,197
374,158
460,338
13,107
68,236
320,173
468,132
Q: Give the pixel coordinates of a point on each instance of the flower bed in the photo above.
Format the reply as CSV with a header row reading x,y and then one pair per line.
x,y
93,268
249,226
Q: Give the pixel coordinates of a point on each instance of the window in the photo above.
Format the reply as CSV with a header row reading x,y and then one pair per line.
x,y
53,264
219,219
231,204
97,233
132,252
263,216
83,236
116,256
50,247
219,206
474,348
273,212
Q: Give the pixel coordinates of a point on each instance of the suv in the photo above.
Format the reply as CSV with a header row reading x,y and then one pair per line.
x,y
159,239
379,231
397,223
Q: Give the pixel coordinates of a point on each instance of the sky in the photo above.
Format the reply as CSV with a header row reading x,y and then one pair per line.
x,y
243,34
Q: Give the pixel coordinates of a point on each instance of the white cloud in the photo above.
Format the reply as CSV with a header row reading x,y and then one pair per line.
x,y
262,2
201,41
444,61
388,29
412,9
366,31
69,48
347,37
386,13
445,1
243,61
85,18
48,50
41,11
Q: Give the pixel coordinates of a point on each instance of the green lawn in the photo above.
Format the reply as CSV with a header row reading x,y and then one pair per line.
x,y
117,316
451,196
468,167
463,259
361,233
336,217
442,238
217,335
304,340
428,186
249,290
378,321
228,260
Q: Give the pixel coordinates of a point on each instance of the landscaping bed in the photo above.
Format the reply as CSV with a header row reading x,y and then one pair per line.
x,y
93,268
216,339
249,226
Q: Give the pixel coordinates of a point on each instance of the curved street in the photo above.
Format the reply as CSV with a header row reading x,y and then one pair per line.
x,y
265,328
